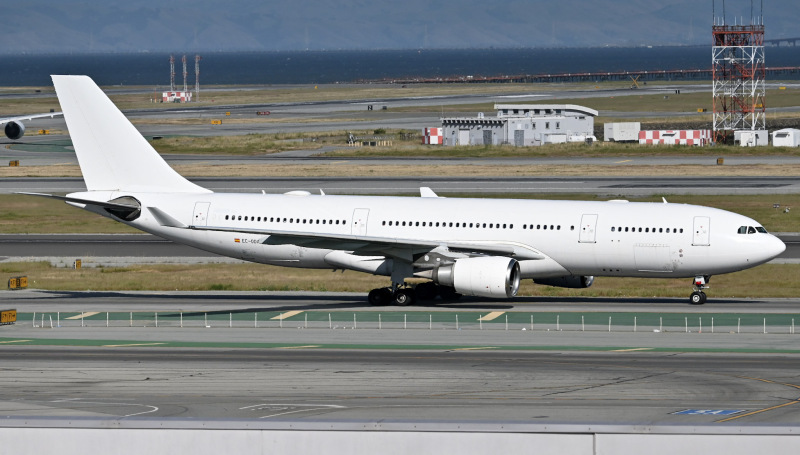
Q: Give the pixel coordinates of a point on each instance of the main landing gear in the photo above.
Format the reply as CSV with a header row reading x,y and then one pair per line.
x,y
404,296
698,297
388,296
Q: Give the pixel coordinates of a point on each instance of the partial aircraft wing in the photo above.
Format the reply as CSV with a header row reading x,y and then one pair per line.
x,y
28,117
386,246
14,129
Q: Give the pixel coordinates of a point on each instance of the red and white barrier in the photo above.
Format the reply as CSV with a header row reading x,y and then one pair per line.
x,y
433,136
675,137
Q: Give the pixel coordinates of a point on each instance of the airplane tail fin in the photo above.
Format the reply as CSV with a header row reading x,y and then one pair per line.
x,y
112,154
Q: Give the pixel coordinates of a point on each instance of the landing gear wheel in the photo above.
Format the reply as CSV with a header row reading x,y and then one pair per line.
x,y
426,291
697,298
404,297
379,297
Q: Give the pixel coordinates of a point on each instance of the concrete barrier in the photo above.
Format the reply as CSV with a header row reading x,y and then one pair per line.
x,y
42,436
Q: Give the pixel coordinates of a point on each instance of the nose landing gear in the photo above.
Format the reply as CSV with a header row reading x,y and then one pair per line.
x,y
698,297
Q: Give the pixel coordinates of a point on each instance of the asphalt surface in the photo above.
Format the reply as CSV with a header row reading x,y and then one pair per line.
x,y
441,374
604,186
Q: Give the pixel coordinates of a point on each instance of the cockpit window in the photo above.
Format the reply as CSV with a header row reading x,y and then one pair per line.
x,y
751,230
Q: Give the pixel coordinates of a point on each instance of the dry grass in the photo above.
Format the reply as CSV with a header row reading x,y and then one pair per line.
x,y
775,281
344,169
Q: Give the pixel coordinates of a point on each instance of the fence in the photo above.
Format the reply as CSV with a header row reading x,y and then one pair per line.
x,y
396,320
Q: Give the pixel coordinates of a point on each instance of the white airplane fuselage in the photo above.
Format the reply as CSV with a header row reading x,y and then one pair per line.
x,y
614,238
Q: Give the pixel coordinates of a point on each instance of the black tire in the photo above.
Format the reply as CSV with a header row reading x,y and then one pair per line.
x,y
697,298
379,297
427,291
404,297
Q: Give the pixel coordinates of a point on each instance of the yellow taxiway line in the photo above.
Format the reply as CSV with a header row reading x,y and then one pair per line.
x,y
84,315
491,316
286,315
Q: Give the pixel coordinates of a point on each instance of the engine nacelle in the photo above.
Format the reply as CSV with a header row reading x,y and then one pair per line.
x,y
571,281
14,130
492,276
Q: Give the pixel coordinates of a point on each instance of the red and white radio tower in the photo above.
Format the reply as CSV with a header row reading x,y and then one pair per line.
x,y
171,73
197,77
185,73
738,73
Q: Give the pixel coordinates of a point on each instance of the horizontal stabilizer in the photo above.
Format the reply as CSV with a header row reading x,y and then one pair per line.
x,y
75,200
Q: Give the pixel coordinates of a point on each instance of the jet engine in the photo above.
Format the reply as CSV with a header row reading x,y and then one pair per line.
x,y
491,276
571,281
14,130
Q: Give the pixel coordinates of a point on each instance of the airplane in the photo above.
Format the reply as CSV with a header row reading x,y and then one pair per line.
x,y
460,246
15,129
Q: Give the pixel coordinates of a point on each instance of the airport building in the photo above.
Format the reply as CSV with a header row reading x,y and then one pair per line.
x,y
522,125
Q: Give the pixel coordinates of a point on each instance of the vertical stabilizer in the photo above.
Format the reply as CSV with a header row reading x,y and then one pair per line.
x,y
113,156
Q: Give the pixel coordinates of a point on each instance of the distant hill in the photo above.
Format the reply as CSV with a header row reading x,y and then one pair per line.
x,y
48,26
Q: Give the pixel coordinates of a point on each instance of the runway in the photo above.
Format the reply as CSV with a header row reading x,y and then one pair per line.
x,y
604,186
443,374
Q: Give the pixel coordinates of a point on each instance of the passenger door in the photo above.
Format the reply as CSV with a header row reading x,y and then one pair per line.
x,y
702,231
588,232
200,217
359,225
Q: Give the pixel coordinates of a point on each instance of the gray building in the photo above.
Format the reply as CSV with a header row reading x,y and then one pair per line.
x,y
522,125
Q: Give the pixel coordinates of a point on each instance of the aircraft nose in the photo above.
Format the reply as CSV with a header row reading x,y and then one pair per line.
x,y
774,247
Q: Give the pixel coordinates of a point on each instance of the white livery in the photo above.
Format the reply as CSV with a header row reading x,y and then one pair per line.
x,y
479,247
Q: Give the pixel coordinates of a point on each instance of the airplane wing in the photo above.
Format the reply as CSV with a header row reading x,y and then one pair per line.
x,y
386,246
28,117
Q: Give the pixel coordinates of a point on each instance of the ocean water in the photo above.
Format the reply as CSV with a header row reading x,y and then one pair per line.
x,y
309,67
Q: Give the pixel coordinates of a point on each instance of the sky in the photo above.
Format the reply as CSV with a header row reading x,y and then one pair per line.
x,y
89,26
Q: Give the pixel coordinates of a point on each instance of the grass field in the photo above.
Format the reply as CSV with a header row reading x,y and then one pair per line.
x,y
764,281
